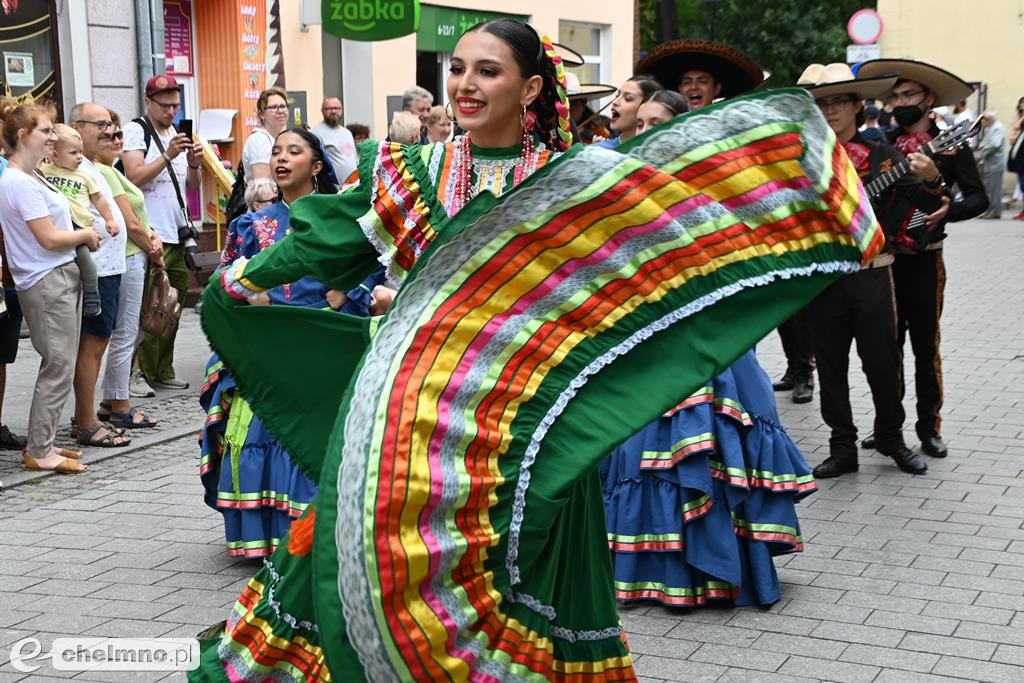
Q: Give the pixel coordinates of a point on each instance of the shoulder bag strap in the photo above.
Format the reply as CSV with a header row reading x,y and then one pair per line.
x,y
170,168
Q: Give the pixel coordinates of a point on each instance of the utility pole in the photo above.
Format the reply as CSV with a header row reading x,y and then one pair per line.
x,y
668,21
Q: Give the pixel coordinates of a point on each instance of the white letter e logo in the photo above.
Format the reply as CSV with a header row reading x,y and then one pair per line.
x,y
17,656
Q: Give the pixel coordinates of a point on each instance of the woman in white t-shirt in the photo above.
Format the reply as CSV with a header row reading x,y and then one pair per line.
x,y
272,107
40,244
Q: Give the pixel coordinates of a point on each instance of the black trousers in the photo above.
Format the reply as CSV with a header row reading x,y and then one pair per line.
x,y
920,285
795,335
859,306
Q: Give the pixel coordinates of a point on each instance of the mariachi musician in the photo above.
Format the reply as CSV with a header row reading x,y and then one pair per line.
x,y
918,271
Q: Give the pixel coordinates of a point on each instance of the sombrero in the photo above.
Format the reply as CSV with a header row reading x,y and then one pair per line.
x,y
947,88
838,79
667,62
569,56
586,91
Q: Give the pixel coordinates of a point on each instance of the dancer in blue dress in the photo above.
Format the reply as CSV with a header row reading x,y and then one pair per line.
x,y
247,474
700,501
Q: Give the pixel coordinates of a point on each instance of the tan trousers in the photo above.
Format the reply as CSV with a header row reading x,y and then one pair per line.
x,y
53,310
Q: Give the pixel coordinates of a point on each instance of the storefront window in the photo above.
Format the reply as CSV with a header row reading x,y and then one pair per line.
x,y
586,39
439,31
27,45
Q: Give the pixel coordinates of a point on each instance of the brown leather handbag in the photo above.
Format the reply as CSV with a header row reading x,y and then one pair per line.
x,y
160,306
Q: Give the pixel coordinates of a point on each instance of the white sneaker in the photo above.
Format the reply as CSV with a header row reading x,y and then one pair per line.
x,y
171,383
138,387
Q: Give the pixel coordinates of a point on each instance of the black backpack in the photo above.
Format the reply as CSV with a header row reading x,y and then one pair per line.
x,y
147,136
236,201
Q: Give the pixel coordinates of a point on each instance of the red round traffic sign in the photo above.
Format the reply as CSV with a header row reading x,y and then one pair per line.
x,y
865,26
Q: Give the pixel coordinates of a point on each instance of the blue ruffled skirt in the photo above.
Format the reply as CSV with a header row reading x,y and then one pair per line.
x,y
246,474
700,501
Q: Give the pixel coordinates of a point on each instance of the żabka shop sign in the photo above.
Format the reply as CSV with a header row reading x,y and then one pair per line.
x,y
370,19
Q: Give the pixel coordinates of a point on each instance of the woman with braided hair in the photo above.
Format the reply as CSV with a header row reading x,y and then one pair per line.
x,y
551,301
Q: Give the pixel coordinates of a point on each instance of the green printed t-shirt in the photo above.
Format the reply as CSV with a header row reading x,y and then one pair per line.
x,y
120,185
78,186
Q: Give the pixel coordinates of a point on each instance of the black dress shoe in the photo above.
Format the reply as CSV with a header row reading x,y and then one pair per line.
x,y
906,459
803,392
833,467
868,443
784,384
10,441
934,446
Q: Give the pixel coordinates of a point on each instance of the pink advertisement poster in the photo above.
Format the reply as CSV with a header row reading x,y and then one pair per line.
x,y
178,37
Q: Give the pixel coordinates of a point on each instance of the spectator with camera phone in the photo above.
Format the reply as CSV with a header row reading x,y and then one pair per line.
x,y
153,148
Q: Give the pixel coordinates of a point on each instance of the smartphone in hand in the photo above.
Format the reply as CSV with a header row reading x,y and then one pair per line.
x,y
185,126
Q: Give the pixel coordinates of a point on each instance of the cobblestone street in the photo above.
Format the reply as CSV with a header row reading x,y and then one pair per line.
x,y
904,578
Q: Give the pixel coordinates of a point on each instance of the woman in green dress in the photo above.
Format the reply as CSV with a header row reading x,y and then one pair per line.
x,y
548,307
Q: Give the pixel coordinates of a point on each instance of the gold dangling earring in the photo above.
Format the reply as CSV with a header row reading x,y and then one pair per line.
x,y
449,112
522,118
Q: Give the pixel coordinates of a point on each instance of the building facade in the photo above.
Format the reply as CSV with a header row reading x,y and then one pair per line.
x,y
371,77
980,42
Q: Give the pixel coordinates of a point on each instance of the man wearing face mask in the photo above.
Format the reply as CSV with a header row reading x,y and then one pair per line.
x,y
859,306
919,274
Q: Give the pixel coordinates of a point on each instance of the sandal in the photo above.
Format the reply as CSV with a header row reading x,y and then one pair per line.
x,y
116,430
125,420
87,437
66,466
66,452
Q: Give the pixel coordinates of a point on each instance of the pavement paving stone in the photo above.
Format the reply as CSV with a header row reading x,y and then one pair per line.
x,y
739,657
677,670
896,676
885,657
846,672
978,671
992,584
912,622
829,611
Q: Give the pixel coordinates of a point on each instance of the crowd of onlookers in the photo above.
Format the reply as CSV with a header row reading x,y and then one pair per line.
x,y
90,208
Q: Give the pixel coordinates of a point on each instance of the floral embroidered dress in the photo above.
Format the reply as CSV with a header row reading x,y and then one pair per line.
x,y
246,473
459,531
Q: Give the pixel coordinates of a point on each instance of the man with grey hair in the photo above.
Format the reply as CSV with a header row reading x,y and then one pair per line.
x,y
990,153
418,101
94,125
338,142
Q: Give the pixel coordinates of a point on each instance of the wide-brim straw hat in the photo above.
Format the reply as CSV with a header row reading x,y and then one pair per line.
x,y
948,88
732,69
838,79
586,91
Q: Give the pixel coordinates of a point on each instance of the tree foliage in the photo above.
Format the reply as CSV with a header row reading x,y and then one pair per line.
x,y
783,36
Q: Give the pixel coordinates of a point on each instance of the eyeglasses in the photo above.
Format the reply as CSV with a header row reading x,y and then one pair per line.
x,y
276,107
256,202
101,125
904,96
833,103
166,106
116,135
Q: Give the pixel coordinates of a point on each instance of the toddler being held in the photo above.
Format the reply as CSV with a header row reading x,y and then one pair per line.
x,y
63,172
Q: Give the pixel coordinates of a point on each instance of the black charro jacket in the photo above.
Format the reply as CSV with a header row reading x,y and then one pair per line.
x,y
894,205
958,168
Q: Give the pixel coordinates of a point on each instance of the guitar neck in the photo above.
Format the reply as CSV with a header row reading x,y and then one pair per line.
x,y
887,179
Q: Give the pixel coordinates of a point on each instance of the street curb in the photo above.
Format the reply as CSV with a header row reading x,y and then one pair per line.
x,y
23,477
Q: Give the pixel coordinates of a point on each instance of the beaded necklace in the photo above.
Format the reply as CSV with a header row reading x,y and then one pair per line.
x,y
464,163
